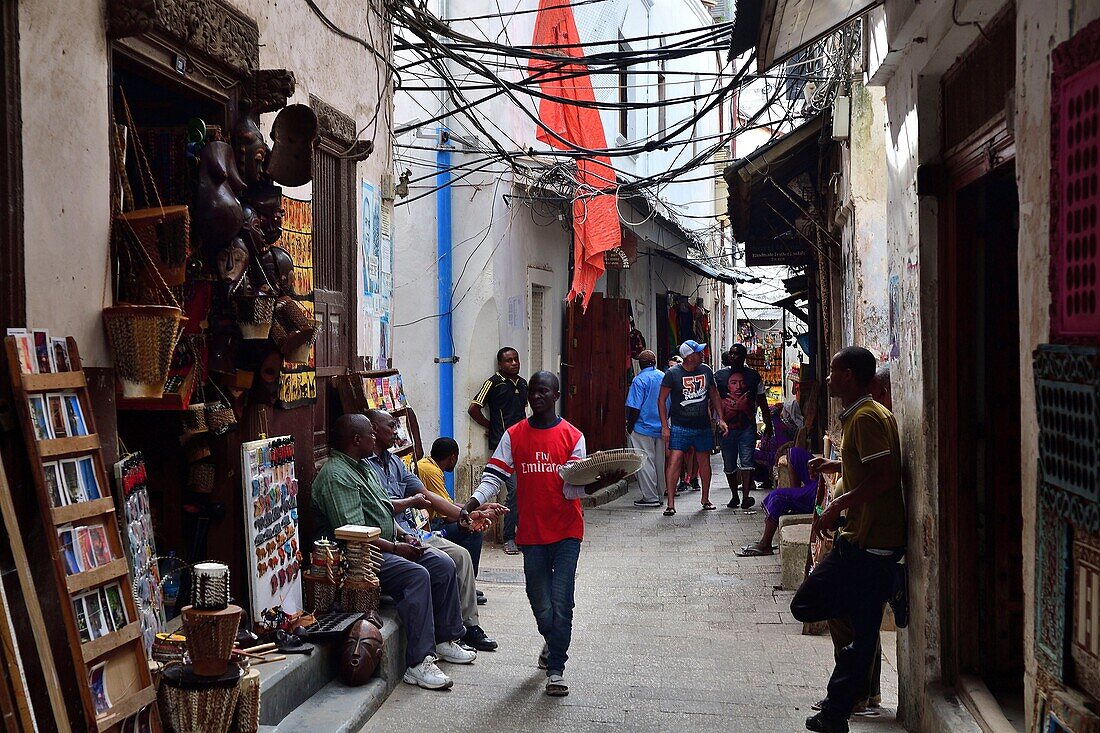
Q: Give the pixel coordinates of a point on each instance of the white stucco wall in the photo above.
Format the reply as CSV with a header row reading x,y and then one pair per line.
x,y
66,160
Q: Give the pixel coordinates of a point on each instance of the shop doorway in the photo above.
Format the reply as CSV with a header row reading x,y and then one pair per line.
x,y
598,370
982,508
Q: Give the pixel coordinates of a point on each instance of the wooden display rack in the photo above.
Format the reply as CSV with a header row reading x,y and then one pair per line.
x,y
125,644
355,396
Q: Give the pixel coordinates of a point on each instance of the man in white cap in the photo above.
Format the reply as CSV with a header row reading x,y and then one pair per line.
x,y
643,425
691,396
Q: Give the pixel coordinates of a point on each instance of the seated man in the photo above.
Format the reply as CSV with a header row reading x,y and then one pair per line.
x,y
430,469
788,500
407,492
420,579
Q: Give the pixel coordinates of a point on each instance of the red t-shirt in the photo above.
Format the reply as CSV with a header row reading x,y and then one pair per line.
x,y
535,455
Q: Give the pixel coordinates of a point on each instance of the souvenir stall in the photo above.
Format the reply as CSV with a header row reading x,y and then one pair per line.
x,y
680,318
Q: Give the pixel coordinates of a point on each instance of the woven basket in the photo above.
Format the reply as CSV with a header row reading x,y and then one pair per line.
x,y
168,648
165,236
587,470
359,597
254,315
200,478
318,594
193,419
293,331
198,711
210,636
142,339
220,418
247,717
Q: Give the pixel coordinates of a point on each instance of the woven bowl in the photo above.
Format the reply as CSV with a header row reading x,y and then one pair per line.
x,y
587,470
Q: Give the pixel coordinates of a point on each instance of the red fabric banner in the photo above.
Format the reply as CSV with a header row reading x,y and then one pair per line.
x,y
595,215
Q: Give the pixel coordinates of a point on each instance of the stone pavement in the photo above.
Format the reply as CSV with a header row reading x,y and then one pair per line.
x,y
672,632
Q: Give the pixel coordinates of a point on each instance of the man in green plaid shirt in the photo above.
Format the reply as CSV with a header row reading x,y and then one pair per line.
x,y
421,580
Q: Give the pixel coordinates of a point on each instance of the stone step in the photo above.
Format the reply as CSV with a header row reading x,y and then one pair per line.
x,y
333,707
794,543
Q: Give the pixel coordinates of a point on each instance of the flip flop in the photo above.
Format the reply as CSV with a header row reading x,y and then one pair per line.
x,y
750,551
708,506
669,511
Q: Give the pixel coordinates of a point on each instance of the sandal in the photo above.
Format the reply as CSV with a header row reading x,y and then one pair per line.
x,y
752,551
708,506
669,511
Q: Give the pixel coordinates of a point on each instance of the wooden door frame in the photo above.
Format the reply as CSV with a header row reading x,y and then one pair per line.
x,y
989,149
13,295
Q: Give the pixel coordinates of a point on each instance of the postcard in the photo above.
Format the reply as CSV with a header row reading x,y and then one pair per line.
x,y
24,346
70,479
100,548
51,474
99,688
81,615
115,609
66,538
74,415
39,416
59,424
43,351
84,552
97,619
61,355
88,482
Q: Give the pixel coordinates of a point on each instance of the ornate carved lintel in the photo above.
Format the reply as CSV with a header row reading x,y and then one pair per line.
x,y
334,123
213,28
269,89
360,150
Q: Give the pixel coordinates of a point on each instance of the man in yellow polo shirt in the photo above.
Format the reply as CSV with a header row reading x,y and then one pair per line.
x,y
442,459
857,577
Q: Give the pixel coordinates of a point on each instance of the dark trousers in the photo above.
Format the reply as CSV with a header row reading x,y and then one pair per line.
x,y
840,630
551,574
853,584
472,541
511,519
426,593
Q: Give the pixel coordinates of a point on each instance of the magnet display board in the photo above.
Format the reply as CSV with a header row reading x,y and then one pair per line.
x,y
271,525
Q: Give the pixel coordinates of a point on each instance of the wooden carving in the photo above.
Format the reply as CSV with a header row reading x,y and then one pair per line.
x,y
130,17
269,89
333,123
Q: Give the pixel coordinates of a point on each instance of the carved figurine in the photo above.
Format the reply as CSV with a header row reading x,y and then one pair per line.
x,y
218,212
294,135
232,264
267,201
250,146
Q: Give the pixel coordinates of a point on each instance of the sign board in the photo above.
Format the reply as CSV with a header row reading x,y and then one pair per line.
x,y
779,251
271,525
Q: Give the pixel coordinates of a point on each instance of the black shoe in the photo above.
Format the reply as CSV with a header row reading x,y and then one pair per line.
x,y
824,724
899,600
748,502
733,503
481,599
476,638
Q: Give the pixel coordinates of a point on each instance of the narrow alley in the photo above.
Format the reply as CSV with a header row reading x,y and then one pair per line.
x,y
672,632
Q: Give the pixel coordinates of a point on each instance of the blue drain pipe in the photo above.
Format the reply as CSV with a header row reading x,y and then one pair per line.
x,y
443,246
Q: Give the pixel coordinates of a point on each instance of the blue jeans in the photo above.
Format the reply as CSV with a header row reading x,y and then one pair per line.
x,y
683,439
551,572
738,447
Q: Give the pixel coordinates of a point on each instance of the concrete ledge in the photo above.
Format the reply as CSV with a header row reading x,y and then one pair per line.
x,y
323,703
791,519
794,543
605,495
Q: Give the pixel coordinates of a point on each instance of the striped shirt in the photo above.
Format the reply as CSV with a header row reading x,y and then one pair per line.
x,y
506,402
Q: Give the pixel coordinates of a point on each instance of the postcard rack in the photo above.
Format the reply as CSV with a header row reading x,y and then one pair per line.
x,y
110,662
383,390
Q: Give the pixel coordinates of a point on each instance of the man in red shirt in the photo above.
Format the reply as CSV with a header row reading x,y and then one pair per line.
x,y
535,450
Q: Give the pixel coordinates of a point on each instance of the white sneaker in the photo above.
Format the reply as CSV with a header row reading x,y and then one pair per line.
x,y
451,652
428,676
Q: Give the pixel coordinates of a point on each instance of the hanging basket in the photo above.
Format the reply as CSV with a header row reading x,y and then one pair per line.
x,y
164,234
200,478
220,418
292,330
142,339
193,419
254,315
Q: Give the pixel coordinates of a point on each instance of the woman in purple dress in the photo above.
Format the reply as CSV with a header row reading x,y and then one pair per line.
x,y
793,500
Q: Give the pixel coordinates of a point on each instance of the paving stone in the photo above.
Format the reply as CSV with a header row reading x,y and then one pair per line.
x,y
672,632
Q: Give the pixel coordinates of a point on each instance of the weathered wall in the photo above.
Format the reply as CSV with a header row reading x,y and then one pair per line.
x,y
66,161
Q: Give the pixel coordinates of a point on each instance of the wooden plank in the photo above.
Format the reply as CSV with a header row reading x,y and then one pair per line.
x,y
125,708
56,382
30,595
83,510
102,645
97,576
68,446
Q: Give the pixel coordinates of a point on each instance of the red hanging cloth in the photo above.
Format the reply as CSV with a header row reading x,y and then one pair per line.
x,y
595,215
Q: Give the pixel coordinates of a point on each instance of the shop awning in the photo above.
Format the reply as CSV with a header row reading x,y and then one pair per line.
x,y
788,26
773,190
720,274
789,304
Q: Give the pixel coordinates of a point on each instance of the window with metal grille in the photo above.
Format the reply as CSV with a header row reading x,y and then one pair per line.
x,y
538,300
1075,187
